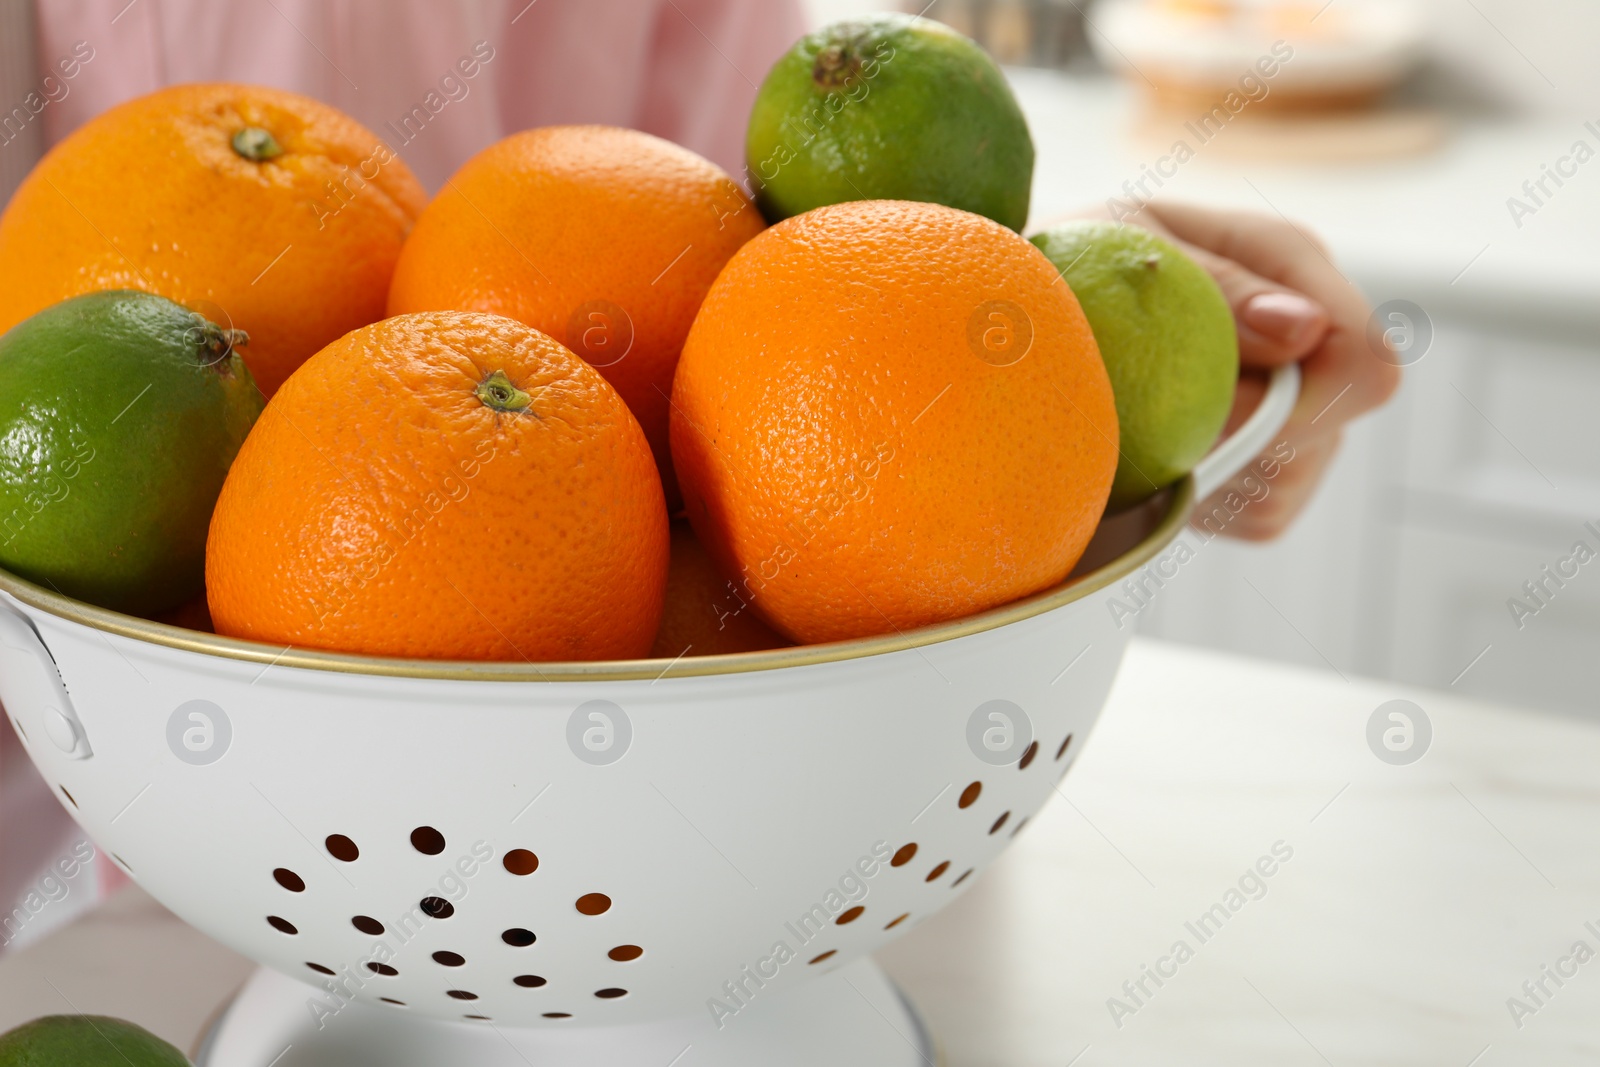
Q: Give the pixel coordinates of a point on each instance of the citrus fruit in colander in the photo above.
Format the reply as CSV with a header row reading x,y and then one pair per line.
x,y
1168,339
264,210
890,414
604,238
446,485
122,412
892,107
85,1041
704,614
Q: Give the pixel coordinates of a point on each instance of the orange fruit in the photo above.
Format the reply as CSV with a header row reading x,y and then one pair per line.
x,y
263,210
704,615
604,238
194,615
447,485
890,414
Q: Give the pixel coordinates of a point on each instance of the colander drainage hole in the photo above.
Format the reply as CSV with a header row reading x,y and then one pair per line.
x,y
610,994
427,840
1017,829
558,1015
461,994
391,1000
964,876
517,937
626,953
969,795
1062,751
904,855
68,795
449,959
593,904
437,907
383,969
123,862
521,862
825,956
850,915
367,925
342,848
289,880
933,875
283,926
1027,756
485,1018
1001,821
320,969
529,981
897,920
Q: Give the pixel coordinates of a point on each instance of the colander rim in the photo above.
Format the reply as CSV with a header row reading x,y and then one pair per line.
x,y
177,637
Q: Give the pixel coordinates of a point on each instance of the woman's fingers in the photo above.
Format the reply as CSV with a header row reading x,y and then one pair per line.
x,y
1340,363
1271,269
1290,305
1276,325
1277,322
1257,507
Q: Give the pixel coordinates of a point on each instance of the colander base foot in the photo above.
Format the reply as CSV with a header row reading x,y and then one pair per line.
x,y
853,1017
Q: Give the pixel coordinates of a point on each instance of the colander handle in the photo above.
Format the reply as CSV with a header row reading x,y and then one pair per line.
x,y
32,691
1245,443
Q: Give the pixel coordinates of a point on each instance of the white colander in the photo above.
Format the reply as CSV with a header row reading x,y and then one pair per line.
x,y
578,847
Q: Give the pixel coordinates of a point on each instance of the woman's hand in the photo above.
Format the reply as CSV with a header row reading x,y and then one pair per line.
x,y
1290,304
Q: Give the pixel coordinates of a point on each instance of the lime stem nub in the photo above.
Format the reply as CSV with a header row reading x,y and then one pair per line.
x,y
835,65
498,392
216,344
256,144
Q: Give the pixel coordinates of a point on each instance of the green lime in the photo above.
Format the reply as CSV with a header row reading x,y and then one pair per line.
x,y
1166,334
123,411
85,1041
889,107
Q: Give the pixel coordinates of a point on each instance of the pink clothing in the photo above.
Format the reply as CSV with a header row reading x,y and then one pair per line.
x,y
686,70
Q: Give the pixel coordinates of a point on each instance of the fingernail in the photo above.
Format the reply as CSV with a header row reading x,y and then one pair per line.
x,y
1287,318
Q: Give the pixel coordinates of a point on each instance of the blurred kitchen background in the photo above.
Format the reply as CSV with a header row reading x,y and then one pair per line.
x,y
1399,132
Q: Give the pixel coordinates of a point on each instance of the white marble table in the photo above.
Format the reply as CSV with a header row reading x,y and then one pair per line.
x,y
1416,901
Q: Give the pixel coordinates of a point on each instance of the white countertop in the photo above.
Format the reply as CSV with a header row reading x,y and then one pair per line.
x,y
1433,228
1418,898
1416,901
